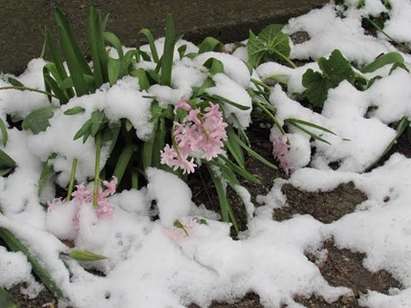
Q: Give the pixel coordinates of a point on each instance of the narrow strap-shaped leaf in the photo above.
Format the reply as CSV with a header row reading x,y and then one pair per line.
x,y
85,255
147,33
14,244
168,54
142,78
224,100
123,162
234,148
225,207
254,154
6,300
115,42
114,69
76,62
46,173
388,58
96,42
311,134
310,124
4,134
240,171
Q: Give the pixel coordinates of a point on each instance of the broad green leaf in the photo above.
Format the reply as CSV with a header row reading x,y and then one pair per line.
x,y
316,87
270,43
210,44
380,61
336,68
214,66
74,110
85,255
4,134
38,120
168,54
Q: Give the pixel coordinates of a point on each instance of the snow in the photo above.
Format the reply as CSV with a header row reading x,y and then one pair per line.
x,y
328,32
227,88
164,187
20,103
14,268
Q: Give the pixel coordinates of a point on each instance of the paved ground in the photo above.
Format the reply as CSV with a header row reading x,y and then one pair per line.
x,y
22,22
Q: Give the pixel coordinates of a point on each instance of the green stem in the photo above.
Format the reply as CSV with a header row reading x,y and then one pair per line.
x,y
286,59
28,89
98,141
72,178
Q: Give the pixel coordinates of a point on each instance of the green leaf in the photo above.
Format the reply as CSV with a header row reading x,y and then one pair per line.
x,y
159,142
252,153
114,69
123,161
336,68
97,49
52,85
4,134
85,255
115,42
380,61
76,62
143,80
333,70
6,300
6,162
225,207
310,124
74,110
214,66
272,43
147,33
14,82
210,44
234,148
38,120
46,172
224,100
181,51
98,119
84,131
168,54
14,244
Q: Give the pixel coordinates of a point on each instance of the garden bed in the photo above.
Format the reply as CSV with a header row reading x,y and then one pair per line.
x,y
273,172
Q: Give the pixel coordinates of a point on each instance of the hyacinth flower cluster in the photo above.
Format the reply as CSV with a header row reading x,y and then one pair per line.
x,y
201,135
281,149
84,196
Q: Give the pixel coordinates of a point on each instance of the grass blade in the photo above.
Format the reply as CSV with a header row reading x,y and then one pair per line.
x,y
96,41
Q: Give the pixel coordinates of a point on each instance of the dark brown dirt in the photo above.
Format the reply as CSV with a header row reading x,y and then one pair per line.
x,y
323,206
22,301
343,267
251,300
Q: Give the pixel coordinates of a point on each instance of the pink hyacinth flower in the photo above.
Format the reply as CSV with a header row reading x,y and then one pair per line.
x,y
183,104
280,152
